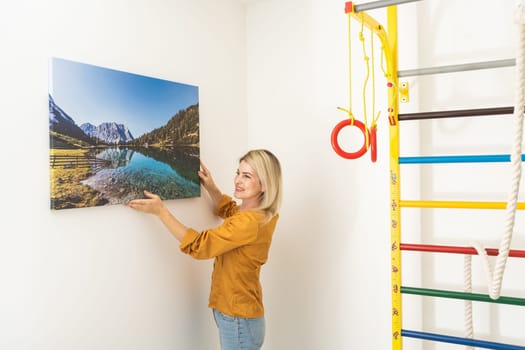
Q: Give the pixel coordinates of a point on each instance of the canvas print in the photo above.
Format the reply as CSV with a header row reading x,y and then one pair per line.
x,y
115,134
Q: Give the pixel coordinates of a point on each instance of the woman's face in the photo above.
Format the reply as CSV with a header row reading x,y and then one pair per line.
x,y
247,185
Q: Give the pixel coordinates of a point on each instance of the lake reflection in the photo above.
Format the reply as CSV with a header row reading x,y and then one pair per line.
x,y
118,157
129,172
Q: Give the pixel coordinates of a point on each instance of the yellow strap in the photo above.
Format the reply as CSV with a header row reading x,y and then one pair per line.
x,y
374,117
373,75
349,110
366,58
350,114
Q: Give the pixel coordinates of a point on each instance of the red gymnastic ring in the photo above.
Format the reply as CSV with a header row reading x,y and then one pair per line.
x,y
373,143
335,143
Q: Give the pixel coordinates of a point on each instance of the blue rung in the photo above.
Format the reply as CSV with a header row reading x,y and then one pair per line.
x,y
461,341
490,158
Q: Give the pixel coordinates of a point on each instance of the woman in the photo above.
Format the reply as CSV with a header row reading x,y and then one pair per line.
x,y
239,245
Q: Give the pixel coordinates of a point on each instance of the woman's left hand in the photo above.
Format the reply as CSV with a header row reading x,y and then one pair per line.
x,y
152,204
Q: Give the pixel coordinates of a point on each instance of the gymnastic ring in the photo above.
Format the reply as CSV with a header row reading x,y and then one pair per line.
x,y
373,143
335,135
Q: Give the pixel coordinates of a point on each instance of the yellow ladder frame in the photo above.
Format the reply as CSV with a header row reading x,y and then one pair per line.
x,y
389,41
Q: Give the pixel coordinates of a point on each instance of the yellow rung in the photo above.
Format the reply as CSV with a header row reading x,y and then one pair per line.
x,y
457,204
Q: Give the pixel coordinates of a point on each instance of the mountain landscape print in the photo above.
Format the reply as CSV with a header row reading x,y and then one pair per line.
x,y
114,134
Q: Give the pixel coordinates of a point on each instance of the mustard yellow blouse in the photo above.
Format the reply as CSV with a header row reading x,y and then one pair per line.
x,y
240,247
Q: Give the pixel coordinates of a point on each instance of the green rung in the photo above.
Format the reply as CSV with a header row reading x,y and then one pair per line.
x,y
462,295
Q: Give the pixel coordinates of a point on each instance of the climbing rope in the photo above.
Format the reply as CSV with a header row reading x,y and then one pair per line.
x,y
495,275
469,328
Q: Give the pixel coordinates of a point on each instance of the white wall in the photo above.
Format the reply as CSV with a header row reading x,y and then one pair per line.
x,y
110,278
332,242
331,254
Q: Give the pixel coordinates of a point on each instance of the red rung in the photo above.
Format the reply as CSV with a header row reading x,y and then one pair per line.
x,y
457,250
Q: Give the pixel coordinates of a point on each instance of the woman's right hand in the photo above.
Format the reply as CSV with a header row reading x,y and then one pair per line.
x,y
208,183
205,176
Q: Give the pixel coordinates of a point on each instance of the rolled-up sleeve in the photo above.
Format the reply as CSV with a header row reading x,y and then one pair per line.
x,y
226,207
234,232
190,236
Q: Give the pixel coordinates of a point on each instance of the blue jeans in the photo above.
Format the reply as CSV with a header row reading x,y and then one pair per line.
x,y
237,333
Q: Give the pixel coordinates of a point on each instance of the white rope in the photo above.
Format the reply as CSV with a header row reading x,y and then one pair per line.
x,y
495,275
467,287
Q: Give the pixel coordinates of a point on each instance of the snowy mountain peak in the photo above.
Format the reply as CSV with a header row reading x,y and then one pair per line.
x,y
110,133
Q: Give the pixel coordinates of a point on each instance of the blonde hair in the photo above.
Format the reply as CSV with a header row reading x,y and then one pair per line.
x,y
268,169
